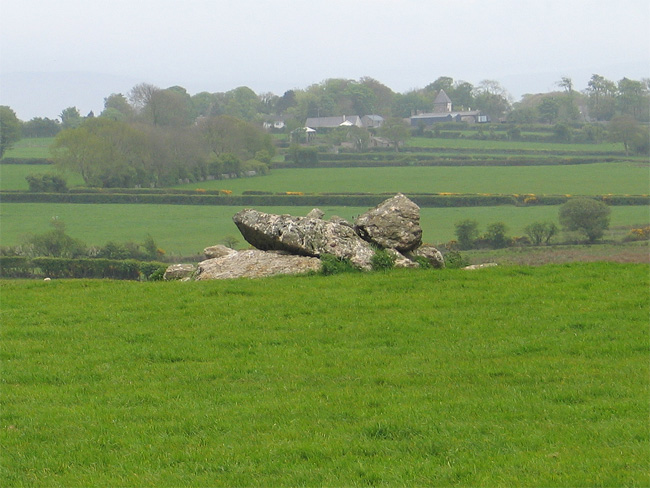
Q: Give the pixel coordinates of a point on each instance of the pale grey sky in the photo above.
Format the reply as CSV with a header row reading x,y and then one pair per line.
x,y
55,54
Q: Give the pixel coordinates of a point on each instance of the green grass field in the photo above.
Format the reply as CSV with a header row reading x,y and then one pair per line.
x,y
12,176
587,179
187,229
33,147
502,377
463,143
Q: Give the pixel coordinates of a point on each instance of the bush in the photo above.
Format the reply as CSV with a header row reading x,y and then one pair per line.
x,y
454,260
585,215
541,232
46,182
382,260
330,265
467,233
638,234
303,156
56,243
495,236
23,267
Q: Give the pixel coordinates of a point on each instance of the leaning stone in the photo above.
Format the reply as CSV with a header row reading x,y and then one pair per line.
x,y
429,253
253,263
217,251
181,272
315,213
402,261
481,266
303,236
393,224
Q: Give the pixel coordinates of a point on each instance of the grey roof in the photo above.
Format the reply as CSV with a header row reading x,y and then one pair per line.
x,y
325,122
442,98
438,115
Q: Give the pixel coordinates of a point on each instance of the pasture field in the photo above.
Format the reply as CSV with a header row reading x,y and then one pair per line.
x,y
507,376
12,176
32,147
464,143
188,229
586,179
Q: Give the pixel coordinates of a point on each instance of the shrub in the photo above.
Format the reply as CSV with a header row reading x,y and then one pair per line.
x,y
638,234
56,243
330,265
382,260
541,232
454,259
585,215
495,236
467,233
303,156
46,182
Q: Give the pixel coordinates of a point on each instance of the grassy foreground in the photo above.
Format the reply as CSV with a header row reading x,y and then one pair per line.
x,y
506,376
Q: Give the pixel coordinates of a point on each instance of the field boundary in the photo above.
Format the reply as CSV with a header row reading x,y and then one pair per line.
x,y
189,197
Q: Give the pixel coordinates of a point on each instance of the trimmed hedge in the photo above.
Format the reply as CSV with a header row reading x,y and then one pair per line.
x,y
26,161
41,267
314,199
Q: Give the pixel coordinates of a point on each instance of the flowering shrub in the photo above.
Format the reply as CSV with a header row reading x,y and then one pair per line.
x,y
638,234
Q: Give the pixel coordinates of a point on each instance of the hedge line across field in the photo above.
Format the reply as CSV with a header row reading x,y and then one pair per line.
x,y
442,161
46,267
313,199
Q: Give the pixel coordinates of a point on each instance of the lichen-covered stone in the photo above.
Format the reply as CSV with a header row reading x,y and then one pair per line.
x,y
303,236
253,263
393,224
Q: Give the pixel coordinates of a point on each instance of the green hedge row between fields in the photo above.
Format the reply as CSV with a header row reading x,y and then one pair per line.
x,y
442,161
32,161
45,267
299,199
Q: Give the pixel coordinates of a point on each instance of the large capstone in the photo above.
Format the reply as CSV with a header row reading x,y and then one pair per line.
x,y
393,224
304,236
253,263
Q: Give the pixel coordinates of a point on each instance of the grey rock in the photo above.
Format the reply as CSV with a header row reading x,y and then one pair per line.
x,y
217,251
481,266
303,236
393,224
315,213
253,263
430,253
402,261
181,272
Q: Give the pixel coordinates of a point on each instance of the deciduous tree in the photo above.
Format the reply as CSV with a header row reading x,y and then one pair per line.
x,y
395,130
585,215
9,129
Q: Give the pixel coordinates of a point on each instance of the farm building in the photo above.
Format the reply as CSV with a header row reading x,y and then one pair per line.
x,y
333,122
367,121
442,112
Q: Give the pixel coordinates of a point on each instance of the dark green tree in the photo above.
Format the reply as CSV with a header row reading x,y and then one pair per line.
x,y
9,129
585,215
624,129
395,131
541,232
70,118
41,127
495,235
467,233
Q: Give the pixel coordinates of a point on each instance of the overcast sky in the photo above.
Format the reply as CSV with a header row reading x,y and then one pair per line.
x,y
56,54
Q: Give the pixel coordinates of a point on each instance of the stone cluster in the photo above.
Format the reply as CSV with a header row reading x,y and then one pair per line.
x,y
286,244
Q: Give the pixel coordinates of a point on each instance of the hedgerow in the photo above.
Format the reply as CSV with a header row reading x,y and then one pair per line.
x,y
46,267
252,198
